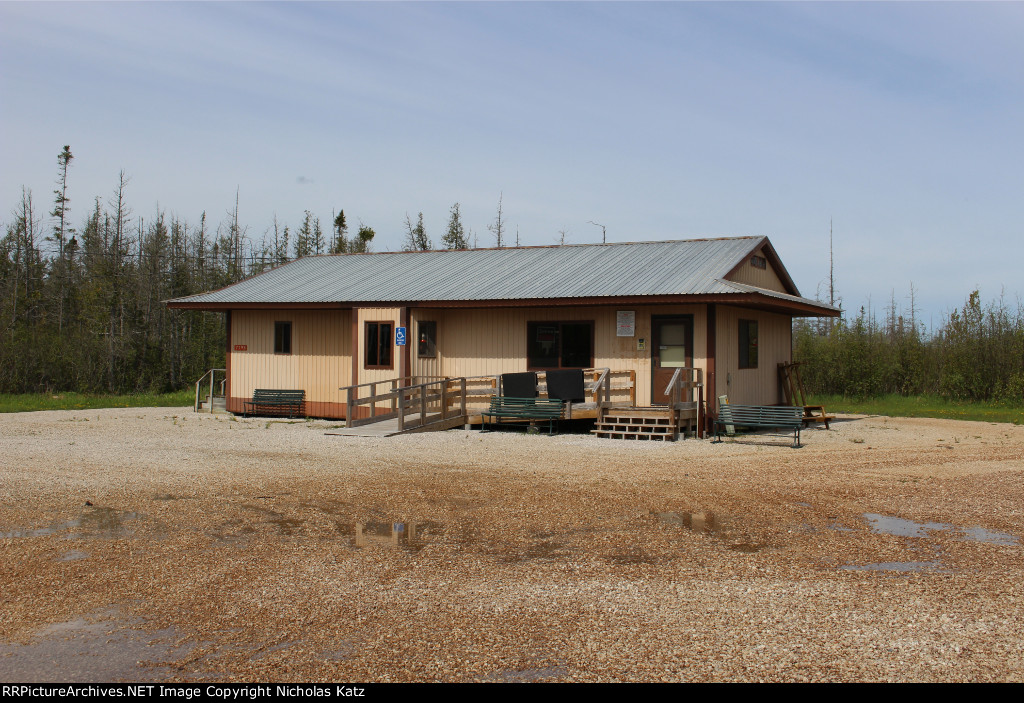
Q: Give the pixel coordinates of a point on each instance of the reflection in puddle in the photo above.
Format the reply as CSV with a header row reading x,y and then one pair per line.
x,y
713,524
412,536
900,566
889,525
105,523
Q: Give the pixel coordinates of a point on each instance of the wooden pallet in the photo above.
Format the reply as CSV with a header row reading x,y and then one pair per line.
x,y
793,390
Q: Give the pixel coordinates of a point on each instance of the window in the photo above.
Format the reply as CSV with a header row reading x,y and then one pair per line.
x,y
378,345
282,338
748,344
559,345
759,262
427,344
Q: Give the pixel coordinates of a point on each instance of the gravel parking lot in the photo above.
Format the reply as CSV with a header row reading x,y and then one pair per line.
x,y
160,544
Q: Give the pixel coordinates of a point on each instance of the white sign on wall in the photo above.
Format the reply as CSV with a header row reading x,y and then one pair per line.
x,y
625,323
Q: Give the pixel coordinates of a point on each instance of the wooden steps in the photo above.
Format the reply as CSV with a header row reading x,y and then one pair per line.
x,y
637,423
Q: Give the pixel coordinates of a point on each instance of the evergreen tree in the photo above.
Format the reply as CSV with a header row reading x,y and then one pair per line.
x,y
340,244
363,239
455,237
304,237
416,238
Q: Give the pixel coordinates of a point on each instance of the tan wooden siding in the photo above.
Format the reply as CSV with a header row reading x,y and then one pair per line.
x,y
392,315
318,364
758,386
762,278
493,341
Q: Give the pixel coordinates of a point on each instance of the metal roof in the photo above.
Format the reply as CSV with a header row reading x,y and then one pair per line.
x,y
681,267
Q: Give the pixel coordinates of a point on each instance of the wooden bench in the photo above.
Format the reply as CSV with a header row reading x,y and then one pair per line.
x,y
532,409
267,401
783,417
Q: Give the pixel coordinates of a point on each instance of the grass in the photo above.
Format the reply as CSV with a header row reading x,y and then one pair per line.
x,y
27,402
922,406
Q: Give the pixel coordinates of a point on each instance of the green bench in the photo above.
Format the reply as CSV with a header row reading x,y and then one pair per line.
x,y
267,401
532,409
782,417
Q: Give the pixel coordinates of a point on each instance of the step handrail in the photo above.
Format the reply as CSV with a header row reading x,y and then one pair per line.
x,y
211,373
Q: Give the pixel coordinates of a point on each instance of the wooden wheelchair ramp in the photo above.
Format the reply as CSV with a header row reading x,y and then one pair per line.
x,y
386,408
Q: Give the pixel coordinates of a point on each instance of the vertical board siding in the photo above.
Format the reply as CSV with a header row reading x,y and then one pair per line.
x,y
479,342
319,363
392,315
762,278
493,341
758,386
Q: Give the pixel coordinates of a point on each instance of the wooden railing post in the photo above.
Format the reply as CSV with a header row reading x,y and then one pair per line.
x,y
401,410
212,374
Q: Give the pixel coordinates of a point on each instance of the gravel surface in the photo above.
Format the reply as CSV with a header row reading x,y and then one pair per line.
x,y
164,544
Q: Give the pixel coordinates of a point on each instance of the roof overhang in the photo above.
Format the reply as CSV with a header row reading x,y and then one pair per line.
x,y
771,303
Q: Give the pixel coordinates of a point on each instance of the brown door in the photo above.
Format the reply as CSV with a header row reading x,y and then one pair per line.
x,y
671,348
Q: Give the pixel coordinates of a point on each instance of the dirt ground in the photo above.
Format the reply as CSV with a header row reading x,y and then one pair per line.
x,y
160,544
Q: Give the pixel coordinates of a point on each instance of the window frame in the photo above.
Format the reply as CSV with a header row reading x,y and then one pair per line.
x,y
379,325
283,337
745,346
531,325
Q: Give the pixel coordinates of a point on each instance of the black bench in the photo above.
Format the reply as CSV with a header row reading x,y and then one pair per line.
x,y
783,417
533,409
266,401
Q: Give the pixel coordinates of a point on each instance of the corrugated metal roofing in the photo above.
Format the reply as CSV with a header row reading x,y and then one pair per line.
x,y
682,267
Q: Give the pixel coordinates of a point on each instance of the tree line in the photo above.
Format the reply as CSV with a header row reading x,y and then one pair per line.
x,y
976,353
81,307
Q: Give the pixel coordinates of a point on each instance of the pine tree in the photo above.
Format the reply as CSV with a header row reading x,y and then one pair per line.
x,y
416,238
363,239
304,237
340,244
455,237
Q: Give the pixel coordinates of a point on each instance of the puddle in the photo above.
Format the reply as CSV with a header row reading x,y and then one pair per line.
x,y
232,532
106,523
898,566
286,526
411,536
73,555
980,534
525,675
889,525
80,651
714,525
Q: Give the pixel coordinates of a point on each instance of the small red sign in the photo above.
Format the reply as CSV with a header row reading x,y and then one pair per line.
x,y
241,347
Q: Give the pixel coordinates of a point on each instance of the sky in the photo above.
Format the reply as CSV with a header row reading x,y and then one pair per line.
x,y
900,126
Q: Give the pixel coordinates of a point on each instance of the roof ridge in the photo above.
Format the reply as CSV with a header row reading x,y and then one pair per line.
x,y
541,246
